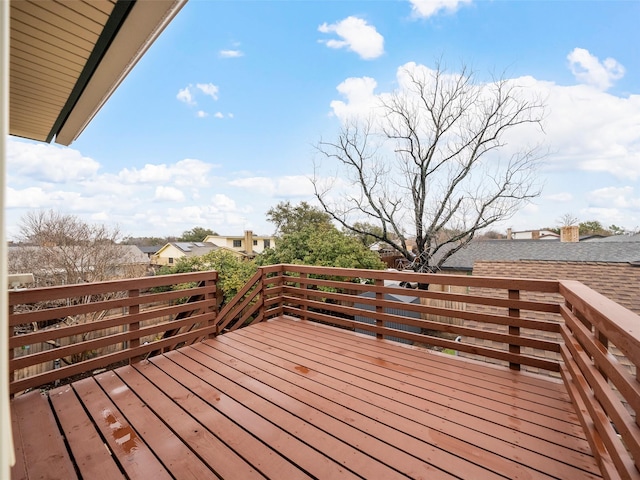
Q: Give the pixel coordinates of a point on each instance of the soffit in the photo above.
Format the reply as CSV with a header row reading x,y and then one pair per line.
x,y
67,58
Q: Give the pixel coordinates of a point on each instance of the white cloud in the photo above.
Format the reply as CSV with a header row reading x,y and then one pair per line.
x,y
428,8
231,53
37,197
593,131
607,216
294,186
223,203
277,187
562,197
208,89
614,197
30,197
170,194
185,95
185,172
188,95
587,68
356,35
262,185
48,163
209,215
585,129
359,96
219,115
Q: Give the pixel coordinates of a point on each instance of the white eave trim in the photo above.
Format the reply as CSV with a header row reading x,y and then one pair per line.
x,y
146,20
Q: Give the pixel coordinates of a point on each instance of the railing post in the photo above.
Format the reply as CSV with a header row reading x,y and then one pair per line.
x,y
379,309
263,294
134,343
215,307
513,330
303,307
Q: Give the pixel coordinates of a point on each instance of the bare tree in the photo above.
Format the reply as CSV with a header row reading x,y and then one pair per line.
x,y
432,162
62,249
567,220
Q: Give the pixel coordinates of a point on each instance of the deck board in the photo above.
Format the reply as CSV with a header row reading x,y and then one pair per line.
x,y
43,450
293,399
92,457
455,427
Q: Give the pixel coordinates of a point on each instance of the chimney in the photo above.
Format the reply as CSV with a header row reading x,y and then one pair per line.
x,y
248,242
509,234
535,234
570,234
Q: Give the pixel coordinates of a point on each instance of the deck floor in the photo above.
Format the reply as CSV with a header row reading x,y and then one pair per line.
x,y
288,399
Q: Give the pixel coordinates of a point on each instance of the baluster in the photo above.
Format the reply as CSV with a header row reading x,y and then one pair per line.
x,y
134,326
379,298
513,330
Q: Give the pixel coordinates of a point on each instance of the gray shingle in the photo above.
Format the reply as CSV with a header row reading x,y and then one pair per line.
x,y
544,250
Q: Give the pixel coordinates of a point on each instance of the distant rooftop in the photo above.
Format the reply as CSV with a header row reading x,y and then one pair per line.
x,y
619,238
595,251
195,248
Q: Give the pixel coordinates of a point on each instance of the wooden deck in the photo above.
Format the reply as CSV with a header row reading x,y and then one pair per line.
x,y
288,399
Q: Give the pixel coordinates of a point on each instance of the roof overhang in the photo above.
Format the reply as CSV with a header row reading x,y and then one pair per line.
x,y
67,58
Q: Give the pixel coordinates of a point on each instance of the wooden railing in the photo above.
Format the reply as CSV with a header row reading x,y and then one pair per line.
x,y
360,300
605,392
561,327
58,332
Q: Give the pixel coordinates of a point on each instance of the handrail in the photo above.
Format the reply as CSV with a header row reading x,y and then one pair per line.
x,y
87,326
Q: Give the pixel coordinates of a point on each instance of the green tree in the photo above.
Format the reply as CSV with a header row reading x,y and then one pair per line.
x,y
292,218
196,234
233,272
616,230
147,241
592,227
367,233
322,245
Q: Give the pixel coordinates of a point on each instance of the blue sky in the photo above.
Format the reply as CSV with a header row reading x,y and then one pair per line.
x,y
218,121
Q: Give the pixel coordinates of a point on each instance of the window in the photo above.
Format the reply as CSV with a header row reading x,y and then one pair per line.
x,y
267,244
170,260
255,243
237,243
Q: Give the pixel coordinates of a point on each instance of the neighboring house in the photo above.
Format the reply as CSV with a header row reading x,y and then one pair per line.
x,y
172,251
389,255
503,250
73,264
149,251
532,235
249,244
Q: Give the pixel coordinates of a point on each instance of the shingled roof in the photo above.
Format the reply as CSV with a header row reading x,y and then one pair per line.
x,y
195,249
492,250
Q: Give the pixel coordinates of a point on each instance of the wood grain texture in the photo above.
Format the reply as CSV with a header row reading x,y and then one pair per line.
x,y
294,399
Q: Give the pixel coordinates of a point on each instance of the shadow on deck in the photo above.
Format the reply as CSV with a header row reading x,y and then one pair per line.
x,y
291,399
